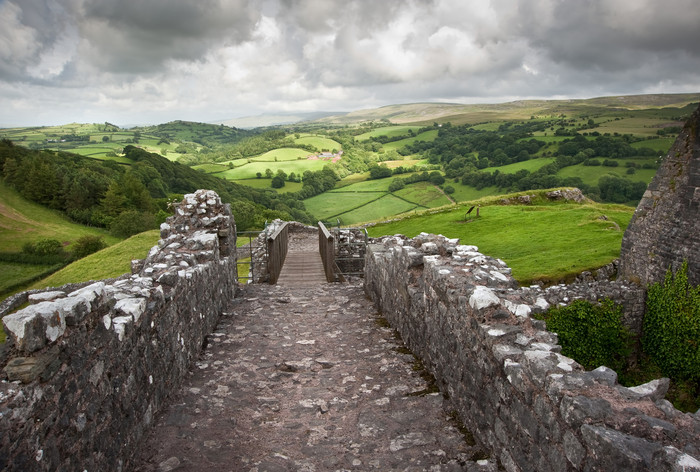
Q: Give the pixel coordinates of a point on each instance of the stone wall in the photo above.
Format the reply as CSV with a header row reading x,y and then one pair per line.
x,y
665,228
87,369
464,315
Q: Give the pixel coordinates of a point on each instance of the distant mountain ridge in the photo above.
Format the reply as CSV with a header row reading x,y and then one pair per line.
x,y
275,119
424,112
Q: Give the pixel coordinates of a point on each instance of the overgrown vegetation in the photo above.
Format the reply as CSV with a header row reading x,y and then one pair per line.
x,y
672,330
591,334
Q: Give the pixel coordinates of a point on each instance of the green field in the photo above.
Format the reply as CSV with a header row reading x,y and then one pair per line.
x,y
464,193
333,204
281,155
661,144
424,136
423,194
637,125
551,242
319,142
591,174
377,185
13,274
265,185
213,168
389,131
370,200
105,264
249,171
530,165
385,207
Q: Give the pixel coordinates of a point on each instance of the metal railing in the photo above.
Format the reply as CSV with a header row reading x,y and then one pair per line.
x,y
327,249
251,263
277,244
350,251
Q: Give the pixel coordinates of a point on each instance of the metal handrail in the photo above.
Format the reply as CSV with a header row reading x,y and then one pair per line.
x,y
252,264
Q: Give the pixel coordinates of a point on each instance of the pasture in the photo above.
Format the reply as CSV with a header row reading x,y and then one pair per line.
x,y
592,174
550,242
281,155
250,170
389,131
265,184
333,204
426,136
107,263
371,200
317,141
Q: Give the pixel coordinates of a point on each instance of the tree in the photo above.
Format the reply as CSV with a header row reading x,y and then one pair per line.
x,y
379,172
86,245
436,178
126,193
244,213
277,182
105,139
132,222
268,173
396,184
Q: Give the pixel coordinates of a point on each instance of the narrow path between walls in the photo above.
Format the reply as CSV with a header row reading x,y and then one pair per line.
x,y
306,379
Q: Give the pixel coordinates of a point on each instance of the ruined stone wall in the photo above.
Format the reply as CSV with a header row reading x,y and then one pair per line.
x,y
464,315
87,369
665,228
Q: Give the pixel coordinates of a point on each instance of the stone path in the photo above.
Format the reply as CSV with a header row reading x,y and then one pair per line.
x,y
306,380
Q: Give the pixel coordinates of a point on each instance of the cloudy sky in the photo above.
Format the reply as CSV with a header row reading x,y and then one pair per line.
x,y
153,61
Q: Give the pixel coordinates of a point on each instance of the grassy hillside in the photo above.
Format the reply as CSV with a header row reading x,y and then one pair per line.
x,y
105,264
545,241
22,221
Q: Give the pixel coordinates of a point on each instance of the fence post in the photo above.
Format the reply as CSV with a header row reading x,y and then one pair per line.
x,y
327,250
277,252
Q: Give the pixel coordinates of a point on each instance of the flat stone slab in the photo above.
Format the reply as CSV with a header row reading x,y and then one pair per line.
x,y
308,380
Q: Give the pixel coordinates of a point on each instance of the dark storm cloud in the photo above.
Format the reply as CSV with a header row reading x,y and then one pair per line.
x,y
139,36
235,57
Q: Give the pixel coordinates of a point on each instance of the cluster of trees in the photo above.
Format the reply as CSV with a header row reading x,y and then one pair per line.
x,y
128,199
477,148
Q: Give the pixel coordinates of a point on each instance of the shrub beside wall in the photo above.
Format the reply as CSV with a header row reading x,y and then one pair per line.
x,y
672,326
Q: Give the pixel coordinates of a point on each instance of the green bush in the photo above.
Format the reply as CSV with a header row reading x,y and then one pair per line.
x,y
672,326
592,335
86,245
43,247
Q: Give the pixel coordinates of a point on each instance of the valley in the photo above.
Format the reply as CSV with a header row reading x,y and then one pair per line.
x,y
419,165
